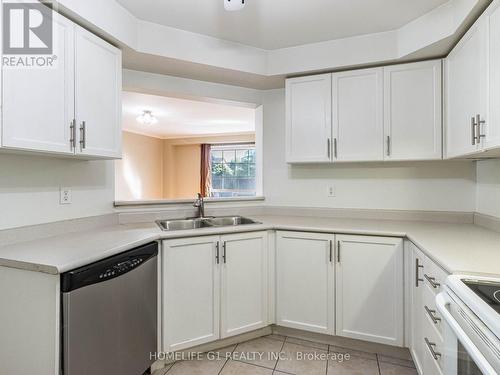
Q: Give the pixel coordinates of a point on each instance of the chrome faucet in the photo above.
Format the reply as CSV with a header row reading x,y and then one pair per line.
x,y
200,204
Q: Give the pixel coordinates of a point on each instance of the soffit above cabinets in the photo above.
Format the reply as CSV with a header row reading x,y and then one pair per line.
x,y
274,24
270,40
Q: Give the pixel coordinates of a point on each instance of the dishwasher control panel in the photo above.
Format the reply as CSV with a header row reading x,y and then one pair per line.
x,y
108,268
120,268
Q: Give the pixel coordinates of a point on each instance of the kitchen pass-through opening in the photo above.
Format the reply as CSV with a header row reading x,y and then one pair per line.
x,y
175,148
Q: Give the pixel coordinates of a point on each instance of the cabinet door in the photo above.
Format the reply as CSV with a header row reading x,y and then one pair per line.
x,y
369,285
309,119
465,92
417,306
244,283
98,95
358,127
491,127
305,281
190,292
412,108
38,103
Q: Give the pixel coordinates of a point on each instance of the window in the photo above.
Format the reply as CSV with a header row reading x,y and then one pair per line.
x,y
233,170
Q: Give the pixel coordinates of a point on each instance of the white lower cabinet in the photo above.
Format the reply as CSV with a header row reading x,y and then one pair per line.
x,y
244,283
213,287
191,279
369,289
305,281
426,341
416,302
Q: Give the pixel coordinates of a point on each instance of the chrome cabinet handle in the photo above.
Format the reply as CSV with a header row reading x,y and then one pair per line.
x,y
432,315
479,122
388,145
217,259
83,135
331,250
473,130
72,136
432,281
335,147
431,345
224,251
417,267
338,251
328,147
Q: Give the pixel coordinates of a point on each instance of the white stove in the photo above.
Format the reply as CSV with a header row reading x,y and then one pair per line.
x,y
470,306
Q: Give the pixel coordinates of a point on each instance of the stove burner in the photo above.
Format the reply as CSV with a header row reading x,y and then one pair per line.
x,y
496,295
489,292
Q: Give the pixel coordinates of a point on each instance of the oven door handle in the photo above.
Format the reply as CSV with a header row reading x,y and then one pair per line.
x,y
442,301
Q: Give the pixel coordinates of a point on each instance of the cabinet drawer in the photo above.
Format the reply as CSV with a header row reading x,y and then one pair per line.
x,y
433,348
434,276
430,311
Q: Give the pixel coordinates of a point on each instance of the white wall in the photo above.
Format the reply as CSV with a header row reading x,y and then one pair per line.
x,y
488,187
29,189
446,186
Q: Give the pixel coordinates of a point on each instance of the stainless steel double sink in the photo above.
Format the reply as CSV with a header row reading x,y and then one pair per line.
x,y
205,222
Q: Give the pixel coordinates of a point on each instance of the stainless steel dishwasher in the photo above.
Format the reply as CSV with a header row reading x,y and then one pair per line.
x,y
109,308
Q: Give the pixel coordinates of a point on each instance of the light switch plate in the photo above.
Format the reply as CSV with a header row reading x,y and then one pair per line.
x,y
64,195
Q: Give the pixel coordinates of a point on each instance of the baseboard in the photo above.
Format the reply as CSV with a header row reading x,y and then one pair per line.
x,y
487,221
344,342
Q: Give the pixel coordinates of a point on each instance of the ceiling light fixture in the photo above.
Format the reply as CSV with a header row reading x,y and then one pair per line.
x,y
147,118
232,5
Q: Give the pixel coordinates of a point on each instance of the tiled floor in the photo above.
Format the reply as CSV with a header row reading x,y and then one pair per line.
x,y
280,355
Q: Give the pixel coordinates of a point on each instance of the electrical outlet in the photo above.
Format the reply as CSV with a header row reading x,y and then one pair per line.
x,y
64,195
331,191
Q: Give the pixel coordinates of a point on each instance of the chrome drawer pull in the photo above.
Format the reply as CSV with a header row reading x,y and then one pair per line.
x,y
432,281
431,345
432,315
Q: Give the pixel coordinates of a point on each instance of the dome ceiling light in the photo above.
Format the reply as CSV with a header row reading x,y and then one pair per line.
x,y
232,5
147,118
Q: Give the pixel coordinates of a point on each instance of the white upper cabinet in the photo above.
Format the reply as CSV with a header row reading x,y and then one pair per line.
x,y
305,281
244,286
38,104
491,128
369,289
73,108
412,111
465,82
309,119
473,89
98,95
358,130
390,113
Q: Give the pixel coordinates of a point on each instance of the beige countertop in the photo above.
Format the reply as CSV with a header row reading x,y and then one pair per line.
x,y
457,248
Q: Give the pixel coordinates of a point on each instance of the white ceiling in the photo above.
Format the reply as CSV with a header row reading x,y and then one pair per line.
x,y
272,24
179,118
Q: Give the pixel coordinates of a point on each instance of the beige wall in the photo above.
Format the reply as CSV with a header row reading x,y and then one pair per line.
x,y
139,175
182,161
154,168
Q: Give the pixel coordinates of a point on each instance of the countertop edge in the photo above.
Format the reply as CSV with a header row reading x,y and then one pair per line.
x,y
156,236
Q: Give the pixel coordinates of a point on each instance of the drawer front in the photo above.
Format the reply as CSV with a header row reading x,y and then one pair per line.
x,y
430,311
433,348
434,276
